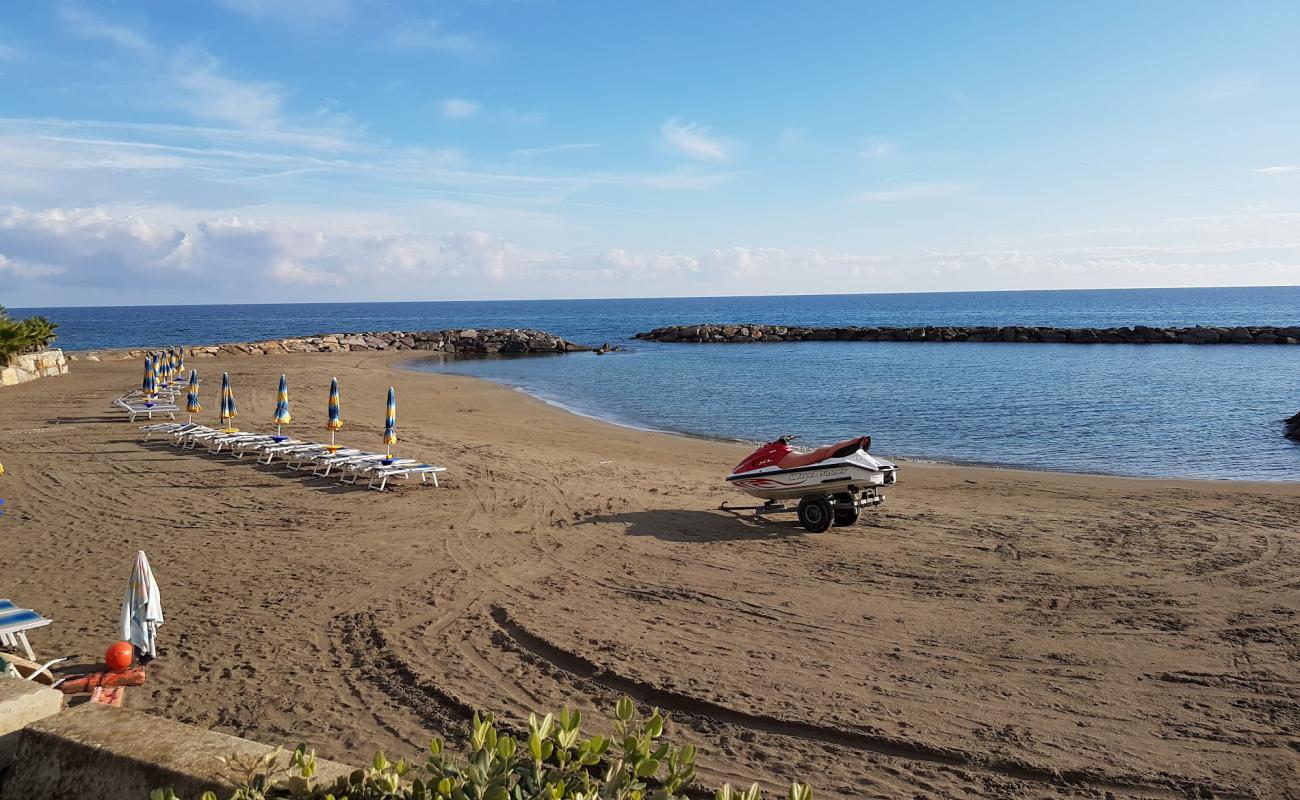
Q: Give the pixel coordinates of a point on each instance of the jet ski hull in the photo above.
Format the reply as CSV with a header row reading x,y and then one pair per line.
x,y
851,475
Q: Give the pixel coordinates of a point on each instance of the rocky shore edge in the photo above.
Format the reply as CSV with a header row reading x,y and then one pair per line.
x,y
1137,334
457,342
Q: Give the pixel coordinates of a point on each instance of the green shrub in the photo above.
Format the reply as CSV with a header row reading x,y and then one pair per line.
x,y
554,762
23,336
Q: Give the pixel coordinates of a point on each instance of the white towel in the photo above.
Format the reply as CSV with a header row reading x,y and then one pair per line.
x,y
142,608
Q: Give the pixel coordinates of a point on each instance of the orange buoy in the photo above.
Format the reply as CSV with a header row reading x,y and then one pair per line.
x,y
119,656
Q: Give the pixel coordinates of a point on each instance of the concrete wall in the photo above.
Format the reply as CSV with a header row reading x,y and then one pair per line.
x,y
93,752
22,703
30,366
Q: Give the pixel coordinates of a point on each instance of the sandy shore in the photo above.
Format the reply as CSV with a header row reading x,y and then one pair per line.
x,y
983,633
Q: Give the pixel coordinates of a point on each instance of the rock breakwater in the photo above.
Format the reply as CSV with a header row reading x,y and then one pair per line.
x,y
1137,334
457,342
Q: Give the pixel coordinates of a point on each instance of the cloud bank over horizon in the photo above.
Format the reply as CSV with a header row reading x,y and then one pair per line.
x,y
461,157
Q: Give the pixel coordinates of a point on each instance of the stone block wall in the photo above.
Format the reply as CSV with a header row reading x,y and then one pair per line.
x,y
30,366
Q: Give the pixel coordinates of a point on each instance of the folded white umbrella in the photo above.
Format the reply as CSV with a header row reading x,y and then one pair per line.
x,y
142,608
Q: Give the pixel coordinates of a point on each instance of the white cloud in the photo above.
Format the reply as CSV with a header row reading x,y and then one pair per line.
x,y
693,140
910,191
432,36
92,248
1281,168
875,147
206,93
529,152
459,108
86,24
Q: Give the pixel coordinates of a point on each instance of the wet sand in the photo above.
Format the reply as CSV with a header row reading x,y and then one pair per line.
x,y
985,633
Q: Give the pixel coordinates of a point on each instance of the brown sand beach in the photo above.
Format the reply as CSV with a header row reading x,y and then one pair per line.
x,y
986,633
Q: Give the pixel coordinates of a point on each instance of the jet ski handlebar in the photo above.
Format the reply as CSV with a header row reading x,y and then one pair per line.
x,y
790,437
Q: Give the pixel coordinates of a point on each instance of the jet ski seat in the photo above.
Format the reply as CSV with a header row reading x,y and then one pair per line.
x,y
837,450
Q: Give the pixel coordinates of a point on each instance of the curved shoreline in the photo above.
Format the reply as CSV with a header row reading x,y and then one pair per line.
x,y
908,459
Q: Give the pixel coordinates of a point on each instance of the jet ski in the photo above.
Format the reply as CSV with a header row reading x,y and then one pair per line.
x,y
832,483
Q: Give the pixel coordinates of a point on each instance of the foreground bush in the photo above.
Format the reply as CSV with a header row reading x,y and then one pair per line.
x,y
554,763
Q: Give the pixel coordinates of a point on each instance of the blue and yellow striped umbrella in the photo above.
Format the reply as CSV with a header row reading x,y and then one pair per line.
x,y
335,423
390,421
178,361
282,405
150,384
192,406
228,411
163,365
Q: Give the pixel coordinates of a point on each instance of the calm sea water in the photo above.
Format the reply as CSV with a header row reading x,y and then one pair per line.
x,y
1210,412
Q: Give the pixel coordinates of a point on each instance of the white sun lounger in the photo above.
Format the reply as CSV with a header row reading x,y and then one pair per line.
x,y
323,465
218,443
14,624
172,429
134,410
382,474
356,468
311,460
286,451
243,447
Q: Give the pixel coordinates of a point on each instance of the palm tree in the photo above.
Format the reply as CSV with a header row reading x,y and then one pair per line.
x,y
25,336
37,333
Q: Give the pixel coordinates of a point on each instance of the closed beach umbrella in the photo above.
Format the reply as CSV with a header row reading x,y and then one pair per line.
x,y
178,361
335,423
142,608
390,421
150,384
228,411
192,406
164,368
282,405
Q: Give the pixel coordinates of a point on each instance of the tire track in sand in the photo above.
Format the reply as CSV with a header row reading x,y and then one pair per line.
x,y
649,694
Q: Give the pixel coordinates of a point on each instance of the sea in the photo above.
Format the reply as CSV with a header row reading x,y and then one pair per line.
x,y
1145,411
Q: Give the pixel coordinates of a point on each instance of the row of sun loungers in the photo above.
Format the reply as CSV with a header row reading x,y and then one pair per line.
x,y
348,464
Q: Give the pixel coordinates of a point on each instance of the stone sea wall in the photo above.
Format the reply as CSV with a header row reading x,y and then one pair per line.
x,y
1137,334
459,342
30,366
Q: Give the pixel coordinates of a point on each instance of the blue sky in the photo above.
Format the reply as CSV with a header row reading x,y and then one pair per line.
x,y
238,150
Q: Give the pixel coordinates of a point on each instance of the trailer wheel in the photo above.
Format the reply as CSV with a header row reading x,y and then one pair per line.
x,y
815,513
848,513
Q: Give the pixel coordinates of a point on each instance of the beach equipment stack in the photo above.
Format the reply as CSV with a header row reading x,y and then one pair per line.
x,y
228,411
282,417
390,421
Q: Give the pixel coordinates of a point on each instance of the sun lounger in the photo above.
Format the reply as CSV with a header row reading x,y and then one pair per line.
x,y
382,474
309,459
325,464
218,443
134,410
354,469
243,447
286,451
172,429
14,624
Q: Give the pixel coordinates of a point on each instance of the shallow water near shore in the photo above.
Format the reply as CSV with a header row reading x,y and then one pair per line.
x,y
1160,411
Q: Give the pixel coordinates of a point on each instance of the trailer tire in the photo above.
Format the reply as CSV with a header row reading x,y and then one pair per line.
x,y
815,513
847,514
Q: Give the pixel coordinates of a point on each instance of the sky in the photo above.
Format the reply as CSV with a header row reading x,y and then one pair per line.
x,y
304,150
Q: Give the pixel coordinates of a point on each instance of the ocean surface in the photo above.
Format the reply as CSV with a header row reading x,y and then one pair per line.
x,y
1167,410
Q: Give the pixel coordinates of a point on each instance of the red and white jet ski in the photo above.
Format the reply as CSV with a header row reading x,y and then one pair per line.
x,y
832,483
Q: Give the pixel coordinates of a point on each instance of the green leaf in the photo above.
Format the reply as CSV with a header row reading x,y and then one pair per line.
x,y
624,709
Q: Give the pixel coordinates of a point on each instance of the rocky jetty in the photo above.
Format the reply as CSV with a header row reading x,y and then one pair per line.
x,y
456,342
1138,334
1292,429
